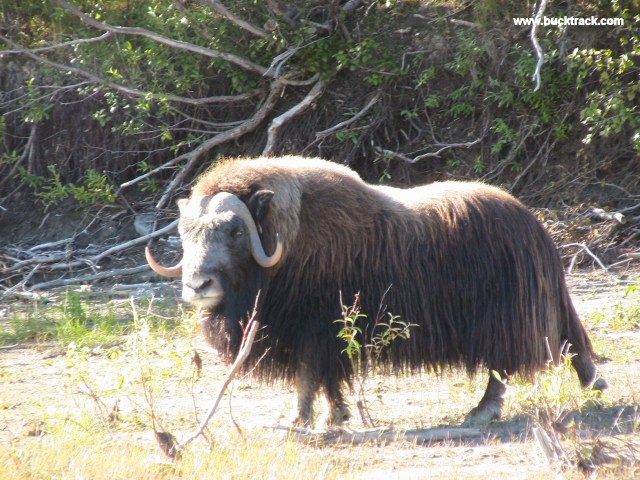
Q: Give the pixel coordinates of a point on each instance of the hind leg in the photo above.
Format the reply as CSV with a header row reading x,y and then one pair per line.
x,y
338,409
490,406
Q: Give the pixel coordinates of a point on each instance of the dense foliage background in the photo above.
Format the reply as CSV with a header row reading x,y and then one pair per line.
x,y
119,104
98,93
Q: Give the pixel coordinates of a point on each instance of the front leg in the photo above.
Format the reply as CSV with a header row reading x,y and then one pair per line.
x,y
307,386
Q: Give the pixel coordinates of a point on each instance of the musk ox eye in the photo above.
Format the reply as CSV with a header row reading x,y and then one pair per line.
x,y
237,233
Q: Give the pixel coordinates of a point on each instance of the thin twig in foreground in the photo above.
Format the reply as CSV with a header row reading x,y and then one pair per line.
x,y
245,348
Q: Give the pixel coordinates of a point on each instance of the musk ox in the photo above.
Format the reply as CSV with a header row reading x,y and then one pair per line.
x,y
467,263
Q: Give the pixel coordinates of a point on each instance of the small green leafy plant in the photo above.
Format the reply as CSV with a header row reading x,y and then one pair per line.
x,y
93,188
365,352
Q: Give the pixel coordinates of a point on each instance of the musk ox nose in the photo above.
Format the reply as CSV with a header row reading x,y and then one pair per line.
x,y
198,284
204,290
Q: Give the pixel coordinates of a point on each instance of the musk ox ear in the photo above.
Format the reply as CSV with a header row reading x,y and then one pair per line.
x,y
259,204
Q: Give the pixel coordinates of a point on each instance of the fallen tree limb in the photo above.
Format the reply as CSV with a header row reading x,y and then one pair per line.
x,y
611,216
56,261
89,278
352,437
584,248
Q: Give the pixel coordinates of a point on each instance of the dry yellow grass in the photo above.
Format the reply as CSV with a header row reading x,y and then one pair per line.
x,y
57,419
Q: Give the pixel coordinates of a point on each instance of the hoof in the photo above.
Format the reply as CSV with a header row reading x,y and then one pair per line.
x,y
303,422
338,416
482,415
600,385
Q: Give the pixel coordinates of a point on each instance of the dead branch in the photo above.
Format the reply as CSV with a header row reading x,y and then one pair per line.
x,y
352,437
115,249
629,209
191,157
90,278
121,88
584,248
71,43
20,284
536,44
222,10
551,446
55,261
297,109
355,118
443,147
245,348
611,216
228,135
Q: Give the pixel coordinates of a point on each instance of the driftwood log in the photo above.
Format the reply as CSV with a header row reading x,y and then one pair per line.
x,y
378,436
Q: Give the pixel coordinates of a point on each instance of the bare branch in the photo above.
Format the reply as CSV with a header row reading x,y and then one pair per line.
x,y
59,261
350,437
297,109
245,348
178,44
536,44
89,278
604,215
71,43
121,88
222,10
355,118
443,147
192,157
583,246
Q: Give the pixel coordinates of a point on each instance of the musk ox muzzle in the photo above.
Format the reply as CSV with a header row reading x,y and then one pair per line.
x,y
218,209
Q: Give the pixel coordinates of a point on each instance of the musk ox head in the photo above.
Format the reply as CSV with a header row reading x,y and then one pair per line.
x,y
221,244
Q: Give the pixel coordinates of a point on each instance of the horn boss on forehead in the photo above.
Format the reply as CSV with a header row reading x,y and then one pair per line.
x,y
228,202
221,203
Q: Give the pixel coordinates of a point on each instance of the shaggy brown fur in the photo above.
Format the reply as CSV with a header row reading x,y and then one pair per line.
x,y
466,262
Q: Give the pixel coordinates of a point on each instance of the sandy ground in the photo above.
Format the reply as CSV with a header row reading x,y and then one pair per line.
x,y
38,385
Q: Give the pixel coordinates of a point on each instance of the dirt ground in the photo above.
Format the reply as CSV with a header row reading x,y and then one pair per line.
x,y
39,384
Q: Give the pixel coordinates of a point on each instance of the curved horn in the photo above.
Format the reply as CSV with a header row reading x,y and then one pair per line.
x,y
227,201
174,271
257,250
